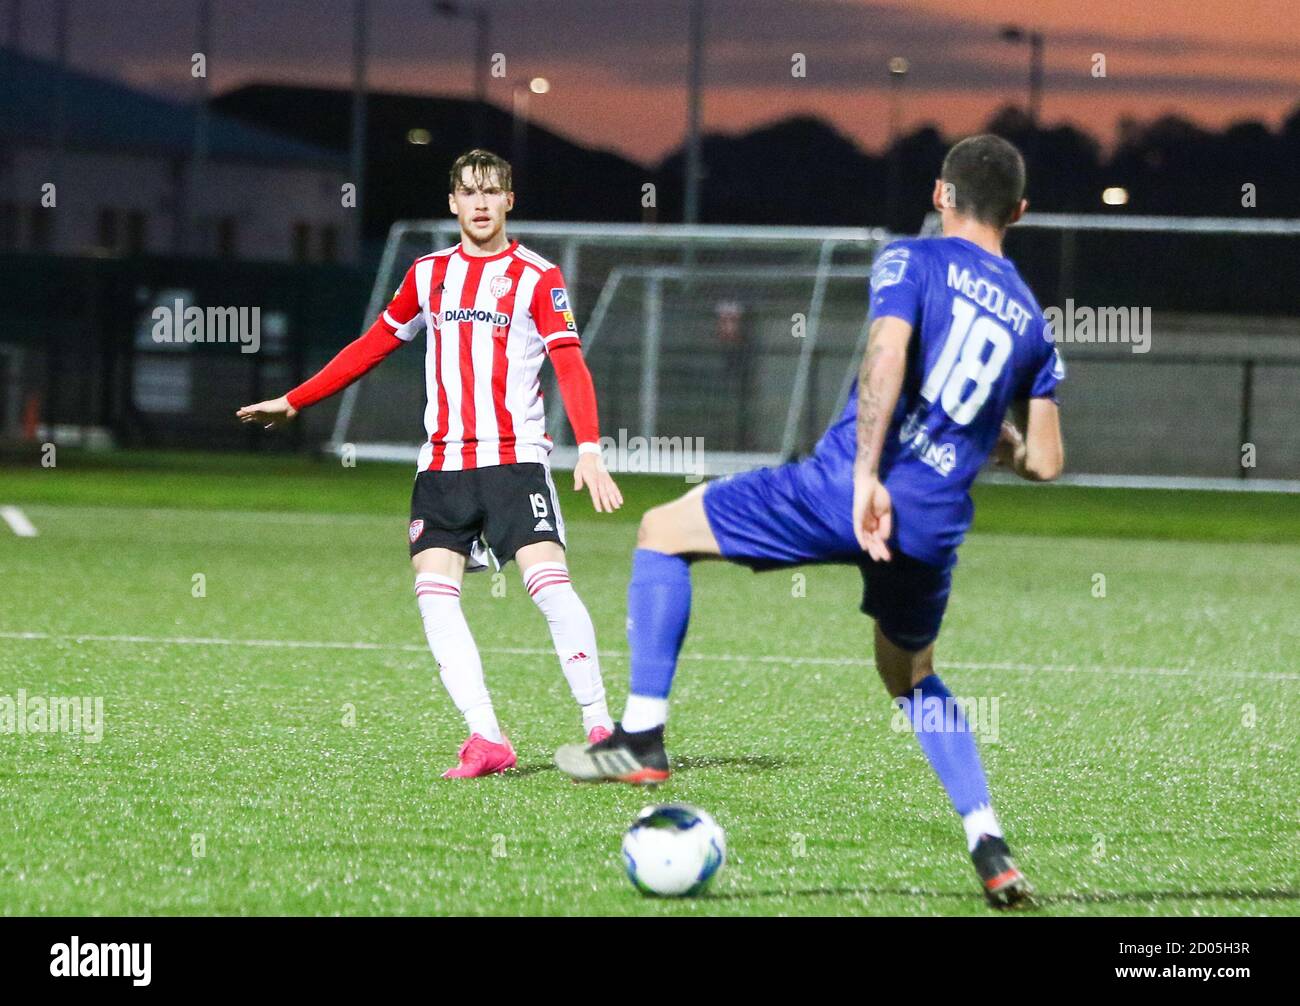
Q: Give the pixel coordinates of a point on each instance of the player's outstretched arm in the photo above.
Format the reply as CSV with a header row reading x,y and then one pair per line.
x,y
880,381
271,413
353,360
1037,453
579,394
394,326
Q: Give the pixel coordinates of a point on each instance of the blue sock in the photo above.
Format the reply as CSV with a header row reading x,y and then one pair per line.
x,y
944,735
658,609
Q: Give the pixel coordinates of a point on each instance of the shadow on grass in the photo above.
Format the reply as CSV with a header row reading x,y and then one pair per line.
x,y
753,763
531,768
1043,900
745,763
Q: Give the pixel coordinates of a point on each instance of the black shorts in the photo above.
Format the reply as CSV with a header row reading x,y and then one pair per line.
x,y
509,506
907,598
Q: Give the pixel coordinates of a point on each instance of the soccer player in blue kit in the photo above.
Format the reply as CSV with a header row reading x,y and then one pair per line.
x,y
956,343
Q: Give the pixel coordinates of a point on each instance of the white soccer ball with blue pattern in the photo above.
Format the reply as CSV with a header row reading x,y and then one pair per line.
x,y
673,850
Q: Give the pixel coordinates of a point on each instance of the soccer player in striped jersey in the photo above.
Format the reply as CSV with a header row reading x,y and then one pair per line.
x,y
492,311
956,340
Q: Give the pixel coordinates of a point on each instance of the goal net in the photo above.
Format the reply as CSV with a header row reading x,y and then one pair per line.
x,y
713,349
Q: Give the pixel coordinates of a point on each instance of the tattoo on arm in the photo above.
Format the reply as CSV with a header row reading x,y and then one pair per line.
x,y
879,383
868,401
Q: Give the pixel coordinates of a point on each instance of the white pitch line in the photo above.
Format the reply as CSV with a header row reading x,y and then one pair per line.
x,y
18,522
737,658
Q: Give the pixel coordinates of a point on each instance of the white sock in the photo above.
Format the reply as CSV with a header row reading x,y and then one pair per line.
x,y
644,713
574,637
453,648
980,821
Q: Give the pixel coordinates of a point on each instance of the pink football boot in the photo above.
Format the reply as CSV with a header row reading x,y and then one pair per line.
x,y
479,756
597,735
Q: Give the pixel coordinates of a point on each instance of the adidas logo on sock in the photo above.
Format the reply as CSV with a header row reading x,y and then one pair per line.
x,y
543,525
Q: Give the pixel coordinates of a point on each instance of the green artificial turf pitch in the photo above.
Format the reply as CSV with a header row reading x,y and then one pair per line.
x,y
275,746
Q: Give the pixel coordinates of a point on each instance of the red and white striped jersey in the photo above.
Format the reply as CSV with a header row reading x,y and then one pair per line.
x,y
490,322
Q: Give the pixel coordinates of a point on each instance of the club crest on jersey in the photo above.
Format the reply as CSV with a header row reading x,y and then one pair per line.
x,y
473,314
560,299
888,270
415,530
499,287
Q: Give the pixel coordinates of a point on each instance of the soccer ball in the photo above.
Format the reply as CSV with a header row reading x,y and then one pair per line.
x,y
673,849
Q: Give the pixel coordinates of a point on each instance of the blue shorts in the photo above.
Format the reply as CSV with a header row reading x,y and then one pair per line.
x,y
800,514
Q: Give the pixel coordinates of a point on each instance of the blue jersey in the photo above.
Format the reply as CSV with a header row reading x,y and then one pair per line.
x,y
979,342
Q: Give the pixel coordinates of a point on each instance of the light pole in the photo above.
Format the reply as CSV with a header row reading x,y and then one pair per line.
x,y
482,19
898,68
359,119
695,87
1014,34
199,150
62,15
521,94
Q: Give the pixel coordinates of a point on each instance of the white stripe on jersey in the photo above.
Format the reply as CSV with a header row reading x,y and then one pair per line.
x,y
485,413
453,286
523,389
419,323
555,502
524,353
532,258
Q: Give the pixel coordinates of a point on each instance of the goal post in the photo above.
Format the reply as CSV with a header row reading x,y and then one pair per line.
x,y
730,339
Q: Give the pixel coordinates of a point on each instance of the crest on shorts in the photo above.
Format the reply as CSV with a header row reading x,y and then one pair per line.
x,y
415,530
499,287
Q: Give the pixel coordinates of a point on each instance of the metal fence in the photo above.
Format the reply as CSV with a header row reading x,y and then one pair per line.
x,y
79,361
749,338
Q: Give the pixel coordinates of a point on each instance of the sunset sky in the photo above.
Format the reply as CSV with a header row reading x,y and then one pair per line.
x,y
618,69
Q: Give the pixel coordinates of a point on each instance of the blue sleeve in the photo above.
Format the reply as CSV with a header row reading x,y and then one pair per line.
x,y
896,283
1051,368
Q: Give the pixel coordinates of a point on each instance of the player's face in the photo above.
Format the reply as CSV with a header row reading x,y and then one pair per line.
x,y
481,205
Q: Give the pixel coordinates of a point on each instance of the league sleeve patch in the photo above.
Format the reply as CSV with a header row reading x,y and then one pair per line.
x,y
1058,365
560,299
889,269
569,323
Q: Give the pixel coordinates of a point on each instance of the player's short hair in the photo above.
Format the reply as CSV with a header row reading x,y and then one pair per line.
x,y
987,175
482,165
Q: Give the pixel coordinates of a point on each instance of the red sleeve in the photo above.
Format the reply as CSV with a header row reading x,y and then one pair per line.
x,y
352,361
403,315
578,392
552,312
400,322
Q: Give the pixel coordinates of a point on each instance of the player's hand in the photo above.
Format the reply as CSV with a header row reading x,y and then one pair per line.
x,y
873,519
1010,446
590,472
271,413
